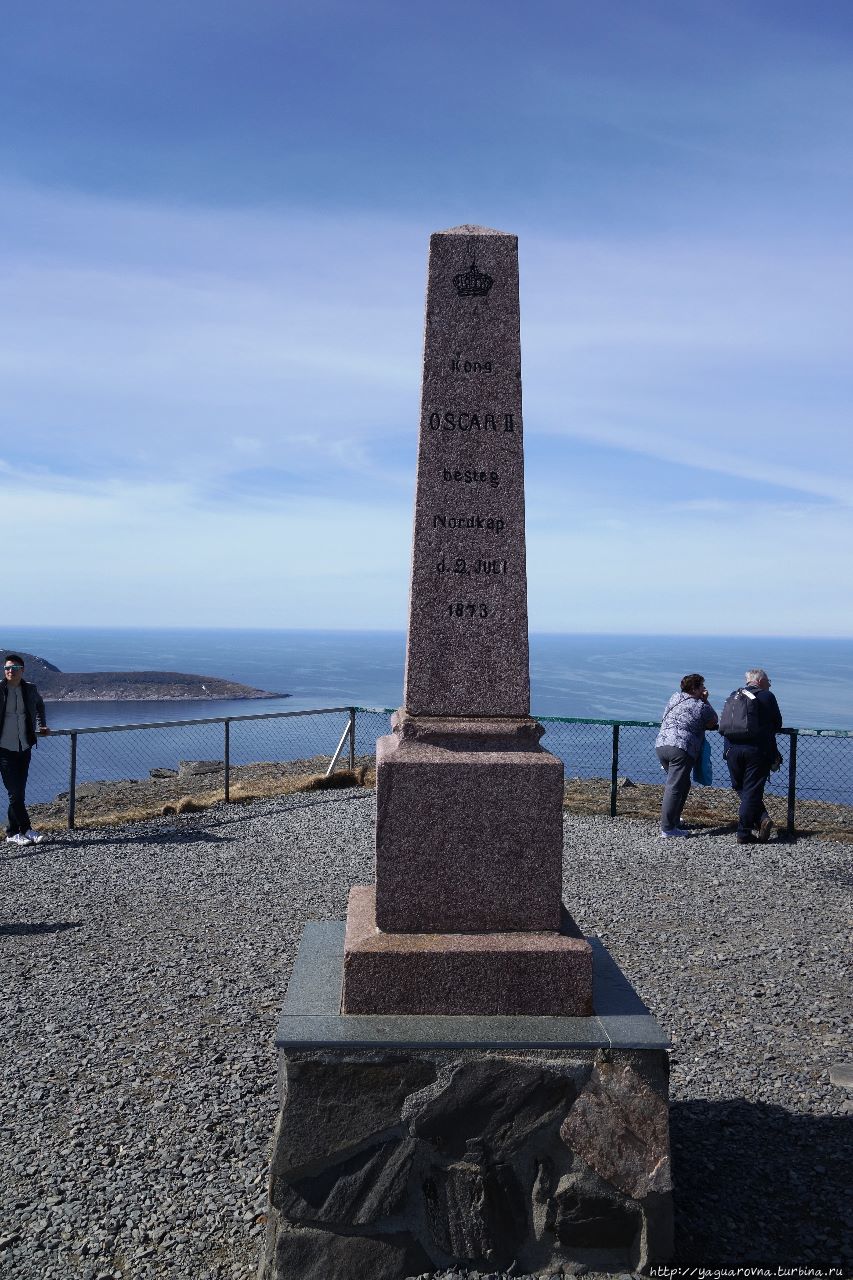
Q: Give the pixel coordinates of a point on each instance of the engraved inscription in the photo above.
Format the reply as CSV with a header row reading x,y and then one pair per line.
x,y
463,423
458,365
453,420
492,523
470,475
461,565
467,609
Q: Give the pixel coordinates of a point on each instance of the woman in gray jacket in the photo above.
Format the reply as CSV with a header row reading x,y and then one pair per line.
x,y
679,745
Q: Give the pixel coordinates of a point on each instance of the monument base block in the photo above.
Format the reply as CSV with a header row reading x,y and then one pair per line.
x,y
469,827
547,973
407,1145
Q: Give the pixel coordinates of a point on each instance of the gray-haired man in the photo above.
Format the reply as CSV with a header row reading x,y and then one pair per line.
x,y
751,759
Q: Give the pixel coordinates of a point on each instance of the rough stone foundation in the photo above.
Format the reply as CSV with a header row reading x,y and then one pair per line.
x,y
410,1144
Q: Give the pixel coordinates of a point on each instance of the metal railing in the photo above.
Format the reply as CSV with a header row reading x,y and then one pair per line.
x,y
814,787
611,765
167,726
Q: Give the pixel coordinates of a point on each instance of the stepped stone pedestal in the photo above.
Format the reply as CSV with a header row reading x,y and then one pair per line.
x,y
549,972
469,831
466,1080
466,916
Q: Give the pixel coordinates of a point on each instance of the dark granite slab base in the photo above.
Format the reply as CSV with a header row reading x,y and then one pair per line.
x,y
312,1016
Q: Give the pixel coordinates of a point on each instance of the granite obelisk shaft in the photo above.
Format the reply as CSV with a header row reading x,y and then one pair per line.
x,y
467,651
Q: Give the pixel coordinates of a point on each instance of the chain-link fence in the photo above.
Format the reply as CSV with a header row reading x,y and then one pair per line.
x,y
611,767
84,776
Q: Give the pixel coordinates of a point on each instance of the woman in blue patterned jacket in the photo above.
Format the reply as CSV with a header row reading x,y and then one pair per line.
x,y
679,745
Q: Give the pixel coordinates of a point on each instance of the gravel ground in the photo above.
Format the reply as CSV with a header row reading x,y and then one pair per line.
x,y
143,969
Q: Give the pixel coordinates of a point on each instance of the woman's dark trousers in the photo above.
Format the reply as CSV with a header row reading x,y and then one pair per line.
x,y
14,767
678,765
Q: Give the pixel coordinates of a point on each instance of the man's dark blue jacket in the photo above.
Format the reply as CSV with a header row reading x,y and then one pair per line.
x,y
769,723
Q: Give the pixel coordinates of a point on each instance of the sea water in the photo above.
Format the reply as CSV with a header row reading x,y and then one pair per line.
x,y
601,677
604,677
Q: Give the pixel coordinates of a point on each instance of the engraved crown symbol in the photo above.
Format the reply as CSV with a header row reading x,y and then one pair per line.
x,y
473,283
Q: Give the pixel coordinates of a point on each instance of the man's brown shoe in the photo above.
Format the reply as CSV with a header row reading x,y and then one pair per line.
x,y
750,839
764,829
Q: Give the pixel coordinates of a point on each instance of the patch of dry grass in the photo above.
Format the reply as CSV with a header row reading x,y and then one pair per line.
x,y
708,807
121,805
118,804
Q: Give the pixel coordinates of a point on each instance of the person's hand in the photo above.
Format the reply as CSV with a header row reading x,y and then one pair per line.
x,y
44,731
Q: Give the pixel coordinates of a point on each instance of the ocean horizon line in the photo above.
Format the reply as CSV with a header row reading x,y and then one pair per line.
x,y
402,631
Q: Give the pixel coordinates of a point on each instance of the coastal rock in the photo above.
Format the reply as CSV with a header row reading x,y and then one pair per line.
x,y
96,789
130,800
139,686
192,768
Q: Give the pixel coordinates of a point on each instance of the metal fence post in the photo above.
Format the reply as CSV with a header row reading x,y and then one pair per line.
x,y
792,784
351,739
72,782
614,769
227,761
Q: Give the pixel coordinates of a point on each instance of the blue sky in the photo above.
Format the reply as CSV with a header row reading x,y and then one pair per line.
x,y
213,233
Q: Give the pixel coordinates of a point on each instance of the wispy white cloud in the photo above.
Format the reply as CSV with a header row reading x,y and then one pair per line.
x,y
732,357
766,571
192,397
131,329
128,331
139,551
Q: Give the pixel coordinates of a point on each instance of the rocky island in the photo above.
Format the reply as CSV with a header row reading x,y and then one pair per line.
x,y
138,686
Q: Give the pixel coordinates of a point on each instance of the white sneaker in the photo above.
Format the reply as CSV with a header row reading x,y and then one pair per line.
x,y
672,833
17,838
33,837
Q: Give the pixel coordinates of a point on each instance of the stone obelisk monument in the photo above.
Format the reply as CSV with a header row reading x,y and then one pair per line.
x,y
466,914
466,1081
467,647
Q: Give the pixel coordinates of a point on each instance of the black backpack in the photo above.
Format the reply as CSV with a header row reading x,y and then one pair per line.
x,y
740,719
